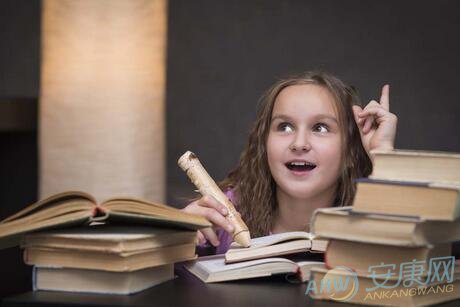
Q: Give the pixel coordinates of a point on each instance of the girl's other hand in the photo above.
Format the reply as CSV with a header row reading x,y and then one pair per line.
x,y
377,125
208,207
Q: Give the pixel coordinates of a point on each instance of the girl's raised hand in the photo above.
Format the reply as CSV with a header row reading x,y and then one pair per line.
x,y
208,207
377,125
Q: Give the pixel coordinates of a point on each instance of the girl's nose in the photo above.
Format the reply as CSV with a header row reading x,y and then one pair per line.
x,y
305,147
300,144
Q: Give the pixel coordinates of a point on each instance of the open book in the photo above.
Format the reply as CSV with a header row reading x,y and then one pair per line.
x,y
73,208
276,245
214,269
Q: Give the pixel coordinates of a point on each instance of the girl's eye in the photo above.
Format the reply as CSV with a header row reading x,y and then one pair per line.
x,y
322,128
285,127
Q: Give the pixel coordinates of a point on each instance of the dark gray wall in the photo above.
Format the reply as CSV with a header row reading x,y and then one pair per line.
x,y
19,79
19,51
223,54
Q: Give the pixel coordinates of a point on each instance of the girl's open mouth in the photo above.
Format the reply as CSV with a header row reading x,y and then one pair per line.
x,y
300,166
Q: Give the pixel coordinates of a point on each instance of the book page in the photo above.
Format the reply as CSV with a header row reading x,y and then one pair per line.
x,y
419,153
105,233
214,264
305,268
125,201
136,209
275,239
53,201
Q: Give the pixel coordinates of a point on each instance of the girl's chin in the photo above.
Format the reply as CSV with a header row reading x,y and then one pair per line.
x,y
304,191
299,193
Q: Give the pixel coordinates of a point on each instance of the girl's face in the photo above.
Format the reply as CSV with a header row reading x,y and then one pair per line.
x,y
304,142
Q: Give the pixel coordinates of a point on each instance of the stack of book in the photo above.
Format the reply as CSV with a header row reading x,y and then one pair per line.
x,y
393,246
104,259
126,245
285,253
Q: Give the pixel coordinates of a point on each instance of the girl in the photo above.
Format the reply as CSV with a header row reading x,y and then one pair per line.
x,y
311,139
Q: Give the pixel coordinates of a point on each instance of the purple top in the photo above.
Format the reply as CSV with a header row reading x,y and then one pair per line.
x,y
224,237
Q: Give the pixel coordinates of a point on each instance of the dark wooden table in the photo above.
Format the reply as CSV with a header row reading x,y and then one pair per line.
x,y
187,291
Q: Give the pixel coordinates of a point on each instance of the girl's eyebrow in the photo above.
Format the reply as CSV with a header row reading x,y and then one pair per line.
x,y
282,117
325,116
317,117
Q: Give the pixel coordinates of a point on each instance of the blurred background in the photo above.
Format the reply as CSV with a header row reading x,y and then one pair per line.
x,y
221,56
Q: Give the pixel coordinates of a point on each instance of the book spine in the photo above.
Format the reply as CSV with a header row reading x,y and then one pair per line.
x,y
392,182
326,253
34,278
99,215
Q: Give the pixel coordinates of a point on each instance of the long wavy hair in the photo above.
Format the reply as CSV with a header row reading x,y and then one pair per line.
x,y
251,181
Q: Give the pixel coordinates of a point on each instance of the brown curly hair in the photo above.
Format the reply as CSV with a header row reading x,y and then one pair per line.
x,y
252,182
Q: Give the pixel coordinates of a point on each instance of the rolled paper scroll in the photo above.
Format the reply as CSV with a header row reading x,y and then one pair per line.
x,y
190,163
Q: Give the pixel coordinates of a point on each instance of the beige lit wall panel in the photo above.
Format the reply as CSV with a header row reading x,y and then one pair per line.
x,y
102,97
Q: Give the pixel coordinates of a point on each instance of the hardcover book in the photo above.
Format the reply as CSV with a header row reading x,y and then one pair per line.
x,y
430,201
96,281
109,239
77,208
416,165
342,223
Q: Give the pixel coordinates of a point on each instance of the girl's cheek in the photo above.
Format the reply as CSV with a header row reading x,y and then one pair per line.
x,y
277,142
332,148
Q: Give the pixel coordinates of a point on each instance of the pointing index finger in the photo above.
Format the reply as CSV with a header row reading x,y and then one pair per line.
x,y
385,97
